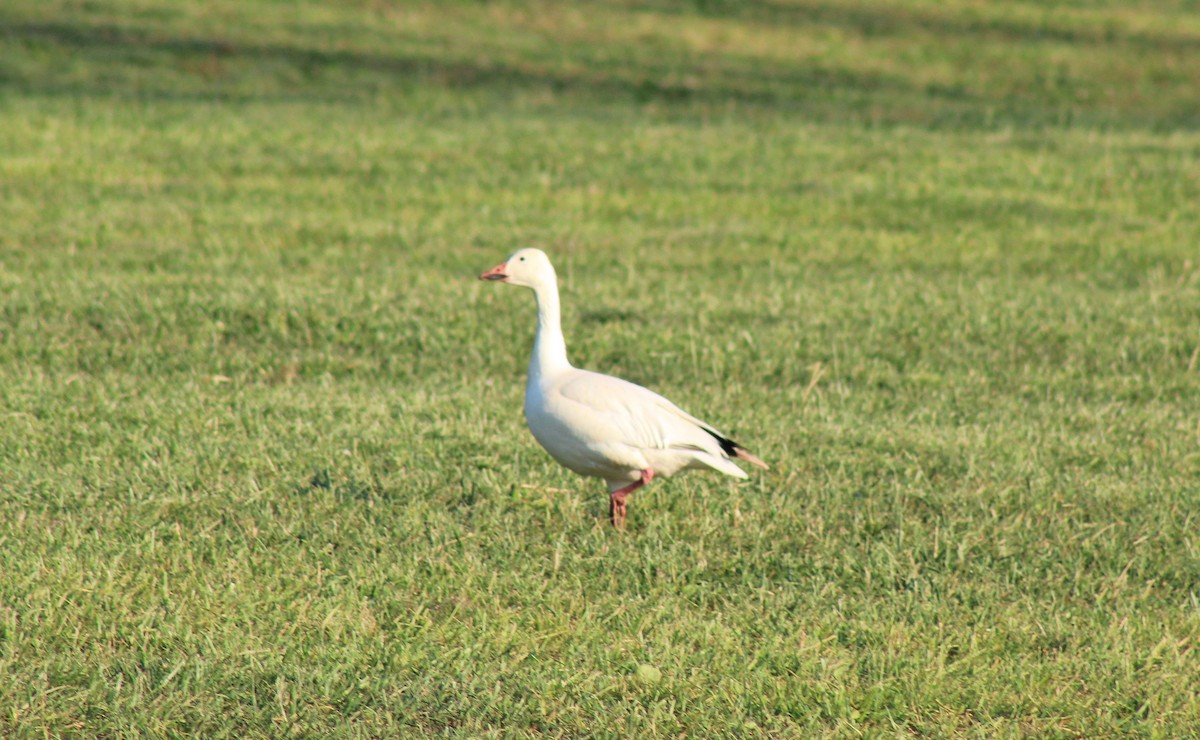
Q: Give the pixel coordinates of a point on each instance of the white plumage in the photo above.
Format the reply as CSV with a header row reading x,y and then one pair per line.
x,y
598,425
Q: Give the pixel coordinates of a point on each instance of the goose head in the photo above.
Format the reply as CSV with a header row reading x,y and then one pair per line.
x,y
529,268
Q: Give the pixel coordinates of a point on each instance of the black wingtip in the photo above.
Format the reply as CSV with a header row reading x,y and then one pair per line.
x,y
728,446
736,451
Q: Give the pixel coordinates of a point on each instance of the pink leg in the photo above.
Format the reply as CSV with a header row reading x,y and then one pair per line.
x,y
616,499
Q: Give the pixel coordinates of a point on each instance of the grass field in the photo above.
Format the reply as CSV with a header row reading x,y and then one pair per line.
x,y
263,470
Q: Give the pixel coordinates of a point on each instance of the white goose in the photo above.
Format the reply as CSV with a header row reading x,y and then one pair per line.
x,y
598,425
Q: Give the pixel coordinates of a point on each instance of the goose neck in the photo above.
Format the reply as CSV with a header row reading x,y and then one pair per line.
x,y
549,347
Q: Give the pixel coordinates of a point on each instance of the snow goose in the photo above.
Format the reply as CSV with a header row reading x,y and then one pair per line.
x,y
598,425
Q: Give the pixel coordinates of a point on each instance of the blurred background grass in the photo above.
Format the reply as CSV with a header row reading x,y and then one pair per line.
x,y
1015,64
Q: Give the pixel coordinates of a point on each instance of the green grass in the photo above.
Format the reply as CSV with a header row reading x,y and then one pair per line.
x,y
263,470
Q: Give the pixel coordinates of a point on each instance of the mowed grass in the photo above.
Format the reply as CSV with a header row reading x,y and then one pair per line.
x,y
263,470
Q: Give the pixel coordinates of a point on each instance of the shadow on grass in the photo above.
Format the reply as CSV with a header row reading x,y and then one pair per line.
x,y
877,20
207,60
